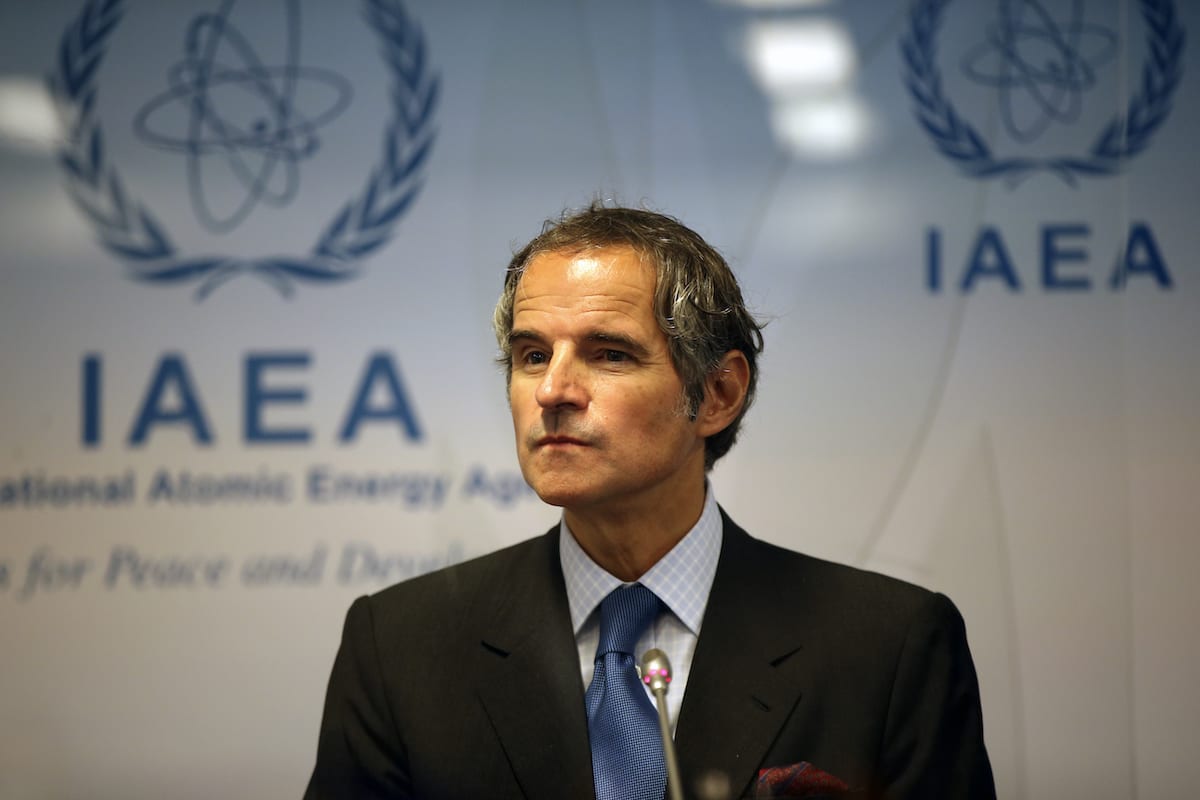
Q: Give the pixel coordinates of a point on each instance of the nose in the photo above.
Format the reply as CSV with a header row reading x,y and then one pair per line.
x,y
563,385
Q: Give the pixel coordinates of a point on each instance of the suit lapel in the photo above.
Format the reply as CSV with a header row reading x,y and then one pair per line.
x,y
744,679
529,683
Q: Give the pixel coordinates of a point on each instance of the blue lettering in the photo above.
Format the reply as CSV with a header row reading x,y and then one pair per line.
x,y
1054,254
257,396
1142,257
48,572
990,259
161,488
171,373
933,260
503,488
172,398
380,370
362,563
1064,260
318,483
285,569
128,567
92,376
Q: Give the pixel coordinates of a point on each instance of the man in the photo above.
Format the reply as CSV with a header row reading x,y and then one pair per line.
x,y
631,360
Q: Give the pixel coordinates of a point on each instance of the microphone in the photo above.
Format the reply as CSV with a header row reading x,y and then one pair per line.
x,y
656,674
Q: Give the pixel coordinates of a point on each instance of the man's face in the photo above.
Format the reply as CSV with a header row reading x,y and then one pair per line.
x,y
596,401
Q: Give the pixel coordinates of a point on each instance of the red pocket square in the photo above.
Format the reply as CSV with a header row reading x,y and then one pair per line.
x,y
798,780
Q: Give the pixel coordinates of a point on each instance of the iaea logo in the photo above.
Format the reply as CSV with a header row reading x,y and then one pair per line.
x,y
242,127
1042,61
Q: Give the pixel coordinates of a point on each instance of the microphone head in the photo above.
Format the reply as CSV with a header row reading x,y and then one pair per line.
x,y
656,670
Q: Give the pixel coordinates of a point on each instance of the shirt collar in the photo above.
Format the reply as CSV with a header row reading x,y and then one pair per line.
x,y
681,579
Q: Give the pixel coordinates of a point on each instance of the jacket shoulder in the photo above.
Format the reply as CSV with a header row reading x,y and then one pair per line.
x,y
455,588
861,597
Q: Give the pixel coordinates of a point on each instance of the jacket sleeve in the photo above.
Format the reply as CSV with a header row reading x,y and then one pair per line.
x,y
933,738
359,752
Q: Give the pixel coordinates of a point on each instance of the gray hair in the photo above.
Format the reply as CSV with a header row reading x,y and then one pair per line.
x,y
697,300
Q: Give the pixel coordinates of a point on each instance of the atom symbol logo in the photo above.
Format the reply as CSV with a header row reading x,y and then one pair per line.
x,y
242,112
1042,68
249,115
1030,56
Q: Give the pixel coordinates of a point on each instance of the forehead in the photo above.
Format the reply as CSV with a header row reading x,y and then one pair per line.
x,y
615,277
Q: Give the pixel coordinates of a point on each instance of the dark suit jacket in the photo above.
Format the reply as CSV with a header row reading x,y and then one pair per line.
x,y
465,683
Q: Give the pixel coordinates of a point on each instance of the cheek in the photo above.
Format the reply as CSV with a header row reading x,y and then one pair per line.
x,y
521,420
521,397
655,423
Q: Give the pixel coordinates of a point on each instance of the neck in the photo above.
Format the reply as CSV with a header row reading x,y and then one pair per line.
x,y
627,540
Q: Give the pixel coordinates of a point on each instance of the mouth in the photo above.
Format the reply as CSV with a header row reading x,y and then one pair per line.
x,y
559,441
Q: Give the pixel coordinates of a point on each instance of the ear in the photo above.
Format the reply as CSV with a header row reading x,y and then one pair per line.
x,y
724,393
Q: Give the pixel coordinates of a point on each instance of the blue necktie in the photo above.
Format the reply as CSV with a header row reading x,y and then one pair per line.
x,y
627,753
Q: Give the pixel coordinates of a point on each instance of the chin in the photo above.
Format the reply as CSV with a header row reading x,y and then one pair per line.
x,y
561,493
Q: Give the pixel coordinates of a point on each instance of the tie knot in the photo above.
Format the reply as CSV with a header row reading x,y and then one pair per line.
x,y
624,616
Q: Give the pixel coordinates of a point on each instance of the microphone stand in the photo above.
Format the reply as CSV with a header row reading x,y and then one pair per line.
x,y
656,673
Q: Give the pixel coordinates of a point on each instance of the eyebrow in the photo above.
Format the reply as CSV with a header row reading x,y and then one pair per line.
x,y
597,336
627,342
520,335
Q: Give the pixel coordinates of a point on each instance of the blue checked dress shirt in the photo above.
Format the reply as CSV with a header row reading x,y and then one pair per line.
x,y
681,579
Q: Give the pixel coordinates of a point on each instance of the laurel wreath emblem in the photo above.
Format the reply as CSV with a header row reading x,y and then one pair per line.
x,y
1124,137
130,231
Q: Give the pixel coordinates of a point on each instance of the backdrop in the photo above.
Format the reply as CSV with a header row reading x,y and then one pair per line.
x,y
250,252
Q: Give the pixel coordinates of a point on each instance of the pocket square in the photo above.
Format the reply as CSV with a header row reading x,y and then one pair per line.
x,y
798,780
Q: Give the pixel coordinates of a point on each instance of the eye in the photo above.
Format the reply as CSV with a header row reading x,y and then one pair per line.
x,y
528,357
615,356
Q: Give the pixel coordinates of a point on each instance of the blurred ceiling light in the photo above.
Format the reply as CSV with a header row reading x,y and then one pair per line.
x,y
793,56
27,117
772,5
822,127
